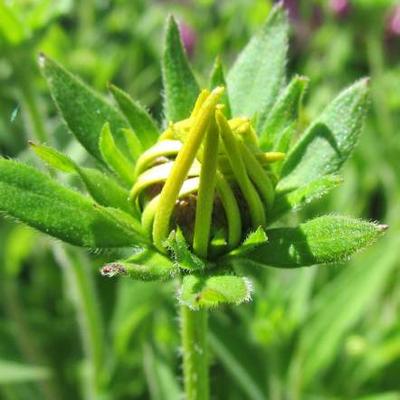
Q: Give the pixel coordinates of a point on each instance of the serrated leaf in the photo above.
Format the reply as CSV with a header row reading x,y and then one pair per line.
x,y
102,188
84,111
258,74
38,201
143,125
181,88
145,265
217,78
114,158
284,113
322,240
329,141
16,373
253,240
295,199
182,255
211,291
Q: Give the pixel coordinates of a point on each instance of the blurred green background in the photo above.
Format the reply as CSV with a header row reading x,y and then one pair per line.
x,y
313,333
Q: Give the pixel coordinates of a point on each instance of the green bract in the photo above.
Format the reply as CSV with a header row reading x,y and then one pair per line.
x,y
197,198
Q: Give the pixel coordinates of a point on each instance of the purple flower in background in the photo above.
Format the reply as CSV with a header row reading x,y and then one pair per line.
x,y
393,25
189,38
340,8
292,8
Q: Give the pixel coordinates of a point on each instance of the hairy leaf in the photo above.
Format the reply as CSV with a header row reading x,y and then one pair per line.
x,y
258,74
253,240
295,199
322,240
181,88
83,110
143,125
34,198
182,255
329,141
284,113
101,187
211,291
145,264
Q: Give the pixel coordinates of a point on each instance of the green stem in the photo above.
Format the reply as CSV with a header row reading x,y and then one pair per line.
x,y
88,312
195,353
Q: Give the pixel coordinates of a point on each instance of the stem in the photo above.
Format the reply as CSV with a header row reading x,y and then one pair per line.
x,y
88,312
195,354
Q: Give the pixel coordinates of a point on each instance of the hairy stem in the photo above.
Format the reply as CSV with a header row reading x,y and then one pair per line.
x,y
195,353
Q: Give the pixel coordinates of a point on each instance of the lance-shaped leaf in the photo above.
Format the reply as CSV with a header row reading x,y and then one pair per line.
x,y
217,78
143,125
15,373
258,74
145,264
326,239
84,111
253,240
181,88
211,291
284,113
182,255
295,199
329,141
103,189
34,198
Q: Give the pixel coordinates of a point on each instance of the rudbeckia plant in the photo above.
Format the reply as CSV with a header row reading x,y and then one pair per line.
x,y
201,197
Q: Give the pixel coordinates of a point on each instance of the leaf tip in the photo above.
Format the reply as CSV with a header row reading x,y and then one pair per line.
x,y
382,227
42,58
113,269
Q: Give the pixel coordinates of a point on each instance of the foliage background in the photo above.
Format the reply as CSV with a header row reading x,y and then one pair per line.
x,y
327,333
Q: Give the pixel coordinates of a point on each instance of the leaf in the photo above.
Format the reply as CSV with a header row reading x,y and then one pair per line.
x,y
83,110
238,361
209,292
145,264
258,74
294,200
114,158
102,188
181,88
322,240
331,315
284,113
12,29
143,125
160,377
253,240
182,255
217,78
329,141
38,201
15,373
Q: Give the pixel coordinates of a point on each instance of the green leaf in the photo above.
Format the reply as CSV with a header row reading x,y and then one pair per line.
x,y
329,141
114,158
145,264
322,240
143,125
258,74
12,29
15,373
294,200
217,78
102,188
253,240
331,316
284,113
182,255
202,291
181,88
32,197
83,110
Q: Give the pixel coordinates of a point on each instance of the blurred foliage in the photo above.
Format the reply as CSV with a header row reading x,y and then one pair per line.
x,y
331,333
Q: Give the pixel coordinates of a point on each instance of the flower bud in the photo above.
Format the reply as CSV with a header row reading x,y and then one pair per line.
x,y
207,176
